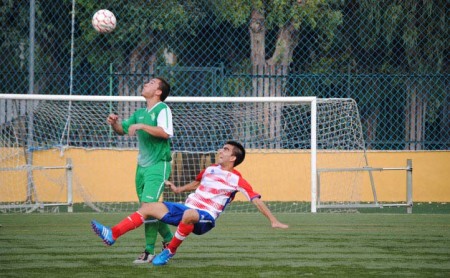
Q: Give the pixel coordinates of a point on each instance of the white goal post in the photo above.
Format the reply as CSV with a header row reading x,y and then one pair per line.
x,y
294,141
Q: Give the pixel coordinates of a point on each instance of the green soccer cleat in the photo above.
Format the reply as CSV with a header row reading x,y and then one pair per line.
x,y
163,257
103,232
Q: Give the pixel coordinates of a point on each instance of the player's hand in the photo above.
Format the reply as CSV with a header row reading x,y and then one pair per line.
x,y
278,224
172,187
112,119
133,128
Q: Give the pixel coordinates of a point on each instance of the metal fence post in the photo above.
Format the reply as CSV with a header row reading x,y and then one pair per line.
x,y
69,175
409,185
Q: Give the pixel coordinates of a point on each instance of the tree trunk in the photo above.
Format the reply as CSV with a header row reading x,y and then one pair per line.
x,y
415,117
258,53
446,119
270,80
371,124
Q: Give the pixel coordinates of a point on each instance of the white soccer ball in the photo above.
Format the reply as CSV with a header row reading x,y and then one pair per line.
x,y
104,21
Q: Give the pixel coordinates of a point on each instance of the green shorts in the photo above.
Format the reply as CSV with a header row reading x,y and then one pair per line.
x,y
150,181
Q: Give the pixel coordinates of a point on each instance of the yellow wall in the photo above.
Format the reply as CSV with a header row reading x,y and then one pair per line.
x,y
109,175
431,173
431,176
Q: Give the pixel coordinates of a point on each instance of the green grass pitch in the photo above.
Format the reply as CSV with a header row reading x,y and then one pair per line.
x,y
241,245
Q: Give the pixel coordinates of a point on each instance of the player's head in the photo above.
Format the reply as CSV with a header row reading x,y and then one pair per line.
x,y
238,151
164,87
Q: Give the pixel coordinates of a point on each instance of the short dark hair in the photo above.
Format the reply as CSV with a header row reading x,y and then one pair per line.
x,y
238,152
164,86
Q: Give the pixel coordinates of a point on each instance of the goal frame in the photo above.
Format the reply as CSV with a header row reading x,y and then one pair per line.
x,y
312,100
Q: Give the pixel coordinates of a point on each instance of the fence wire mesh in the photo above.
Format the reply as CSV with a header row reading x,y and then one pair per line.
x,y
390,56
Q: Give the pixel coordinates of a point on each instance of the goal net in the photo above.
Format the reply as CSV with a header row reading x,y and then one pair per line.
x,y
58,151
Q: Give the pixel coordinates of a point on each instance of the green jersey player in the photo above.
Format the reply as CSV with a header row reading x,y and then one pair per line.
x,y
153,127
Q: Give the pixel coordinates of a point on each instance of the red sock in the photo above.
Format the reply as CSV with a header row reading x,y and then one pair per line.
x,y
182,232
129,223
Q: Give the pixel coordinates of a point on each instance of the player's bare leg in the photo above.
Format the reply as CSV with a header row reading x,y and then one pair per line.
x,y
186,226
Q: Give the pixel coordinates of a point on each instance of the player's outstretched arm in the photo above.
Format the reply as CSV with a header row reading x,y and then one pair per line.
x,y
267,213
178,189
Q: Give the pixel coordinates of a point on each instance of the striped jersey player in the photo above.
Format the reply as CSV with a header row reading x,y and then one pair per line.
x,y
215,187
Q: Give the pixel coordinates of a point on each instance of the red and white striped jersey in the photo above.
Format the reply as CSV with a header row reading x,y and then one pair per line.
x,y
218,188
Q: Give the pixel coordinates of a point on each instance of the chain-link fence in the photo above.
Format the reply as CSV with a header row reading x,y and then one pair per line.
x,y
390,56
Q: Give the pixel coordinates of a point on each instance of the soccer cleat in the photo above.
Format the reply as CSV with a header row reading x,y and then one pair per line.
x,y
163,257
103,232
145,257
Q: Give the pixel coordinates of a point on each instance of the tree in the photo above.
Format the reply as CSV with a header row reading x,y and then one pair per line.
x,y
424,40
413,37
288,19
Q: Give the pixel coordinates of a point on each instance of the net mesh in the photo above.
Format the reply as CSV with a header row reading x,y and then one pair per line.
x,y
276,135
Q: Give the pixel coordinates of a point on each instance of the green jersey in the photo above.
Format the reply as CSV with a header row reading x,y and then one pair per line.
x,y
152,149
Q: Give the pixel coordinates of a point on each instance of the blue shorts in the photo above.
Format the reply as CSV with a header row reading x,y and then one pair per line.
x,y
176,211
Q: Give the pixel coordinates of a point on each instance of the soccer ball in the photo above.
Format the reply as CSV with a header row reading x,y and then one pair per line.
x,y
104,21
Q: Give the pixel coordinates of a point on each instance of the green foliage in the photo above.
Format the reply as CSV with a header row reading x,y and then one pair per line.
x,y
236,11
315,14
415,25
139,25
